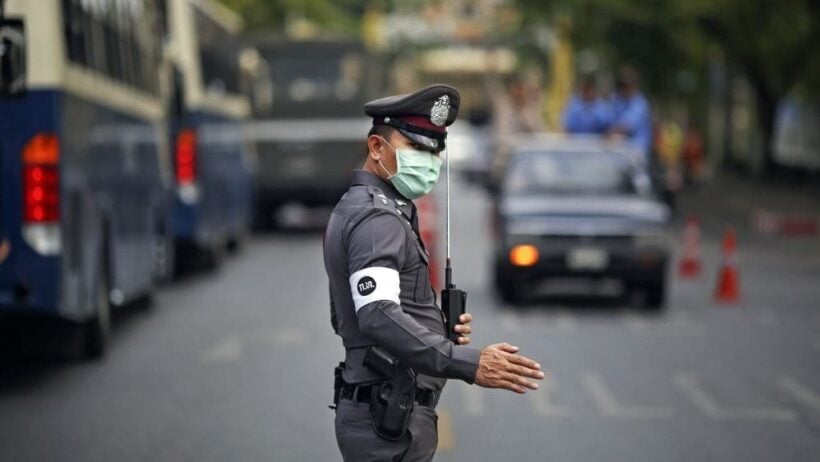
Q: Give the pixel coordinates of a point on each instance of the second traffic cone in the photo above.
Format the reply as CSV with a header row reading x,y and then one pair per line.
x,y
728,284
689,266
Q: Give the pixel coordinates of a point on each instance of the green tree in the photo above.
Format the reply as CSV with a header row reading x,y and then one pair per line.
x,y
772,42
333,16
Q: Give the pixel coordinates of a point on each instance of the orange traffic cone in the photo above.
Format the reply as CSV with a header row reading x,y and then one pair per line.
x,y
689,266
728,286
428,230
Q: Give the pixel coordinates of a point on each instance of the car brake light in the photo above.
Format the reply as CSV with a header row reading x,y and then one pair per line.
x,y
186,157
524,255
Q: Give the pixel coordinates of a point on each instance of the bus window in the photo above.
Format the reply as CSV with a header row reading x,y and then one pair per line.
x,y
120,40
12,57
218,55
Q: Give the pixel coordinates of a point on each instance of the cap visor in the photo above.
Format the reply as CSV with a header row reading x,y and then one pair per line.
x,y
426,142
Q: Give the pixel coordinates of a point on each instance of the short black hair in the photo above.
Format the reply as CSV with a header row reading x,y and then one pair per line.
x,y
379,130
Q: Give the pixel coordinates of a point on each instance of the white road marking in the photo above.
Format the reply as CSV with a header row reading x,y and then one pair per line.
x,y
678,325
609,406
287,336
565,320
509,323
708,405
226,350
559,320
473,400
542,402
766,317
801,393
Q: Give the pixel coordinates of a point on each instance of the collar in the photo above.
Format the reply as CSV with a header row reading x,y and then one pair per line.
x,y
365,178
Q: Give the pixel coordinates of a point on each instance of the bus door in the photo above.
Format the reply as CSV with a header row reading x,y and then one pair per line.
x,y
4,243
12,83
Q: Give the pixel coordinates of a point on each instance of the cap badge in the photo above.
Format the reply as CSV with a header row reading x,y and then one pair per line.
x,y
440,111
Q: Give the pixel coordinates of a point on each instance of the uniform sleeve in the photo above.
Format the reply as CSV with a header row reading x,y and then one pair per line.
x,y
571,117
603,116
376,251
631,118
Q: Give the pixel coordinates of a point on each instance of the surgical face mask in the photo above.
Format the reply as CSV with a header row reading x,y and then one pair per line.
x,y
416,172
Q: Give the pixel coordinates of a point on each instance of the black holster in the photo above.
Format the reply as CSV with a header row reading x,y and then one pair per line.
x,y
392,401
338,384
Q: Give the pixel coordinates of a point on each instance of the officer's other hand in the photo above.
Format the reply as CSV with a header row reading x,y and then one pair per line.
x,y
500,367
463,328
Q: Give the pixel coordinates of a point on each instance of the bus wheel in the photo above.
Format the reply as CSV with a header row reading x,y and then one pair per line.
x,y
97,330
210,258
164,257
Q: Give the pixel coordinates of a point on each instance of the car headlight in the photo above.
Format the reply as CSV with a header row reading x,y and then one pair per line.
x,y
651,239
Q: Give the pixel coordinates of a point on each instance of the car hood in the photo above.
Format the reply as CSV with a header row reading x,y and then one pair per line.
x,y
582,214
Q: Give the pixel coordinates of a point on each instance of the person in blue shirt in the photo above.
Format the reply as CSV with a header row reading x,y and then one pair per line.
x,y
586,113
631,115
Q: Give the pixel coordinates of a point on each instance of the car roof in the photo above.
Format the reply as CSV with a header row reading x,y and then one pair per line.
x,y
571,143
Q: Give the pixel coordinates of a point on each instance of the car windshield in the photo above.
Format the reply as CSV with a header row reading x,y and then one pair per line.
x,y
568,173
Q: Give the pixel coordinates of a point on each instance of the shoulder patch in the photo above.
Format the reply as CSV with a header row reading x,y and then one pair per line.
x,y
380,201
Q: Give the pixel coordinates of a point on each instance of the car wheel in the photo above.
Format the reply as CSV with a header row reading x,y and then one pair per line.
x,y
236,242
163,248
211,257
505,288
97,330
266,218
655,295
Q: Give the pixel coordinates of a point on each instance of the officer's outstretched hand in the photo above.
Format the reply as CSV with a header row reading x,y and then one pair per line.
x,y
463,328
500,367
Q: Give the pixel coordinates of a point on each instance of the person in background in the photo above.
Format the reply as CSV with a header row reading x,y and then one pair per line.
x,y
516,110
586,112
693,154
630,112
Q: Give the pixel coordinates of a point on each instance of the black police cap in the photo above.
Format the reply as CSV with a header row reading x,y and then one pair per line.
x,y
422,116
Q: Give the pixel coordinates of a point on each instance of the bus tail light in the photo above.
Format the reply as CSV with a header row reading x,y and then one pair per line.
x,y
186,166
186,157
41,193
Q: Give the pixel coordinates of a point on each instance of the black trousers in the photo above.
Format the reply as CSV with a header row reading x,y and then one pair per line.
x,y
359,443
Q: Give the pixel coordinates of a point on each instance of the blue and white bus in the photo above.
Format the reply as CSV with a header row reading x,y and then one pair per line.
x,y
213,184
84,188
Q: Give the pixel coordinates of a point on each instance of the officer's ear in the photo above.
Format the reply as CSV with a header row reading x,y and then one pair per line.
x,y
375,147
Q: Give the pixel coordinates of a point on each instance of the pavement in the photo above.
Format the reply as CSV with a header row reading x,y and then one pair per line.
x,y
775,205
236,365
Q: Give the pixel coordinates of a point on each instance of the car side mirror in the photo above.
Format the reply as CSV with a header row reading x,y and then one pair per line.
x,y
12,57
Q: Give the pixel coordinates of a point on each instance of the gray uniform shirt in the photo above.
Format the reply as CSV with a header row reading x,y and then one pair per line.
x,y
380,291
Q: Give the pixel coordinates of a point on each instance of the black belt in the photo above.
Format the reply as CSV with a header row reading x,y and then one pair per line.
x,y
361,394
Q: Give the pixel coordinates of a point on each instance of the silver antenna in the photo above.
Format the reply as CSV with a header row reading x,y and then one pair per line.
x,y
448,271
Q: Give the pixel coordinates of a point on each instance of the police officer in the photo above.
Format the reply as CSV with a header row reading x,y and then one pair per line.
x,y
631,116
380,292
586,112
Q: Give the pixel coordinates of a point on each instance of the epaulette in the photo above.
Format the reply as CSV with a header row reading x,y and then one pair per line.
x,y
381,201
